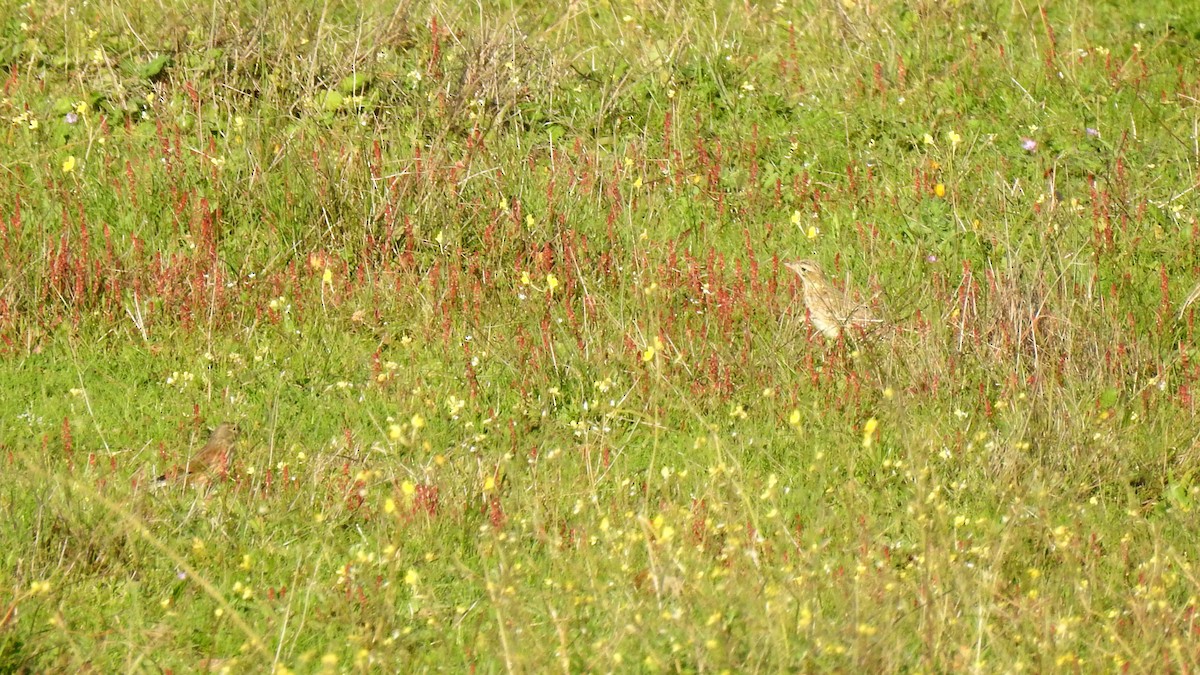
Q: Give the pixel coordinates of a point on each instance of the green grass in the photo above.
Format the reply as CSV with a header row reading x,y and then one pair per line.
x,y
498,303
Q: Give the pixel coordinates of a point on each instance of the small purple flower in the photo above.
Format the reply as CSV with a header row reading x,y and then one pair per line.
x,y
931,258
72,118
1092,132
1028,144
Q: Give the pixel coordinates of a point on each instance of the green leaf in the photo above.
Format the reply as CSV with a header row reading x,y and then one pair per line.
x,y
355,83
154,68
1178,495
1109,397
212,58
10,53
332,100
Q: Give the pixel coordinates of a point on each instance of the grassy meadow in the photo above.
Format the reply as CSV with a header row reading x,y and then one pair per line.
x,y
496,296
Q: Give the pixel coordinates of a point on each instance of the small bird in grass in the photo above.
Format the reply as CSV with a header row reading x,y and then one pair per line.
x,y
213,459
829,309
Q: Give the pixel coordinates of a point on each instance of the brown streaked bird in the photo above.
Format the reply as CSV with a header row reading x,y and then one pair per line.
x,y
829,309
213,459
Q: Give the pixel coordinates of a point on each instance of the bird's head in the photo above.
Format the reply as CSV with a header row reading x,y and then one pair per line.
x,y
808,270
226,432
